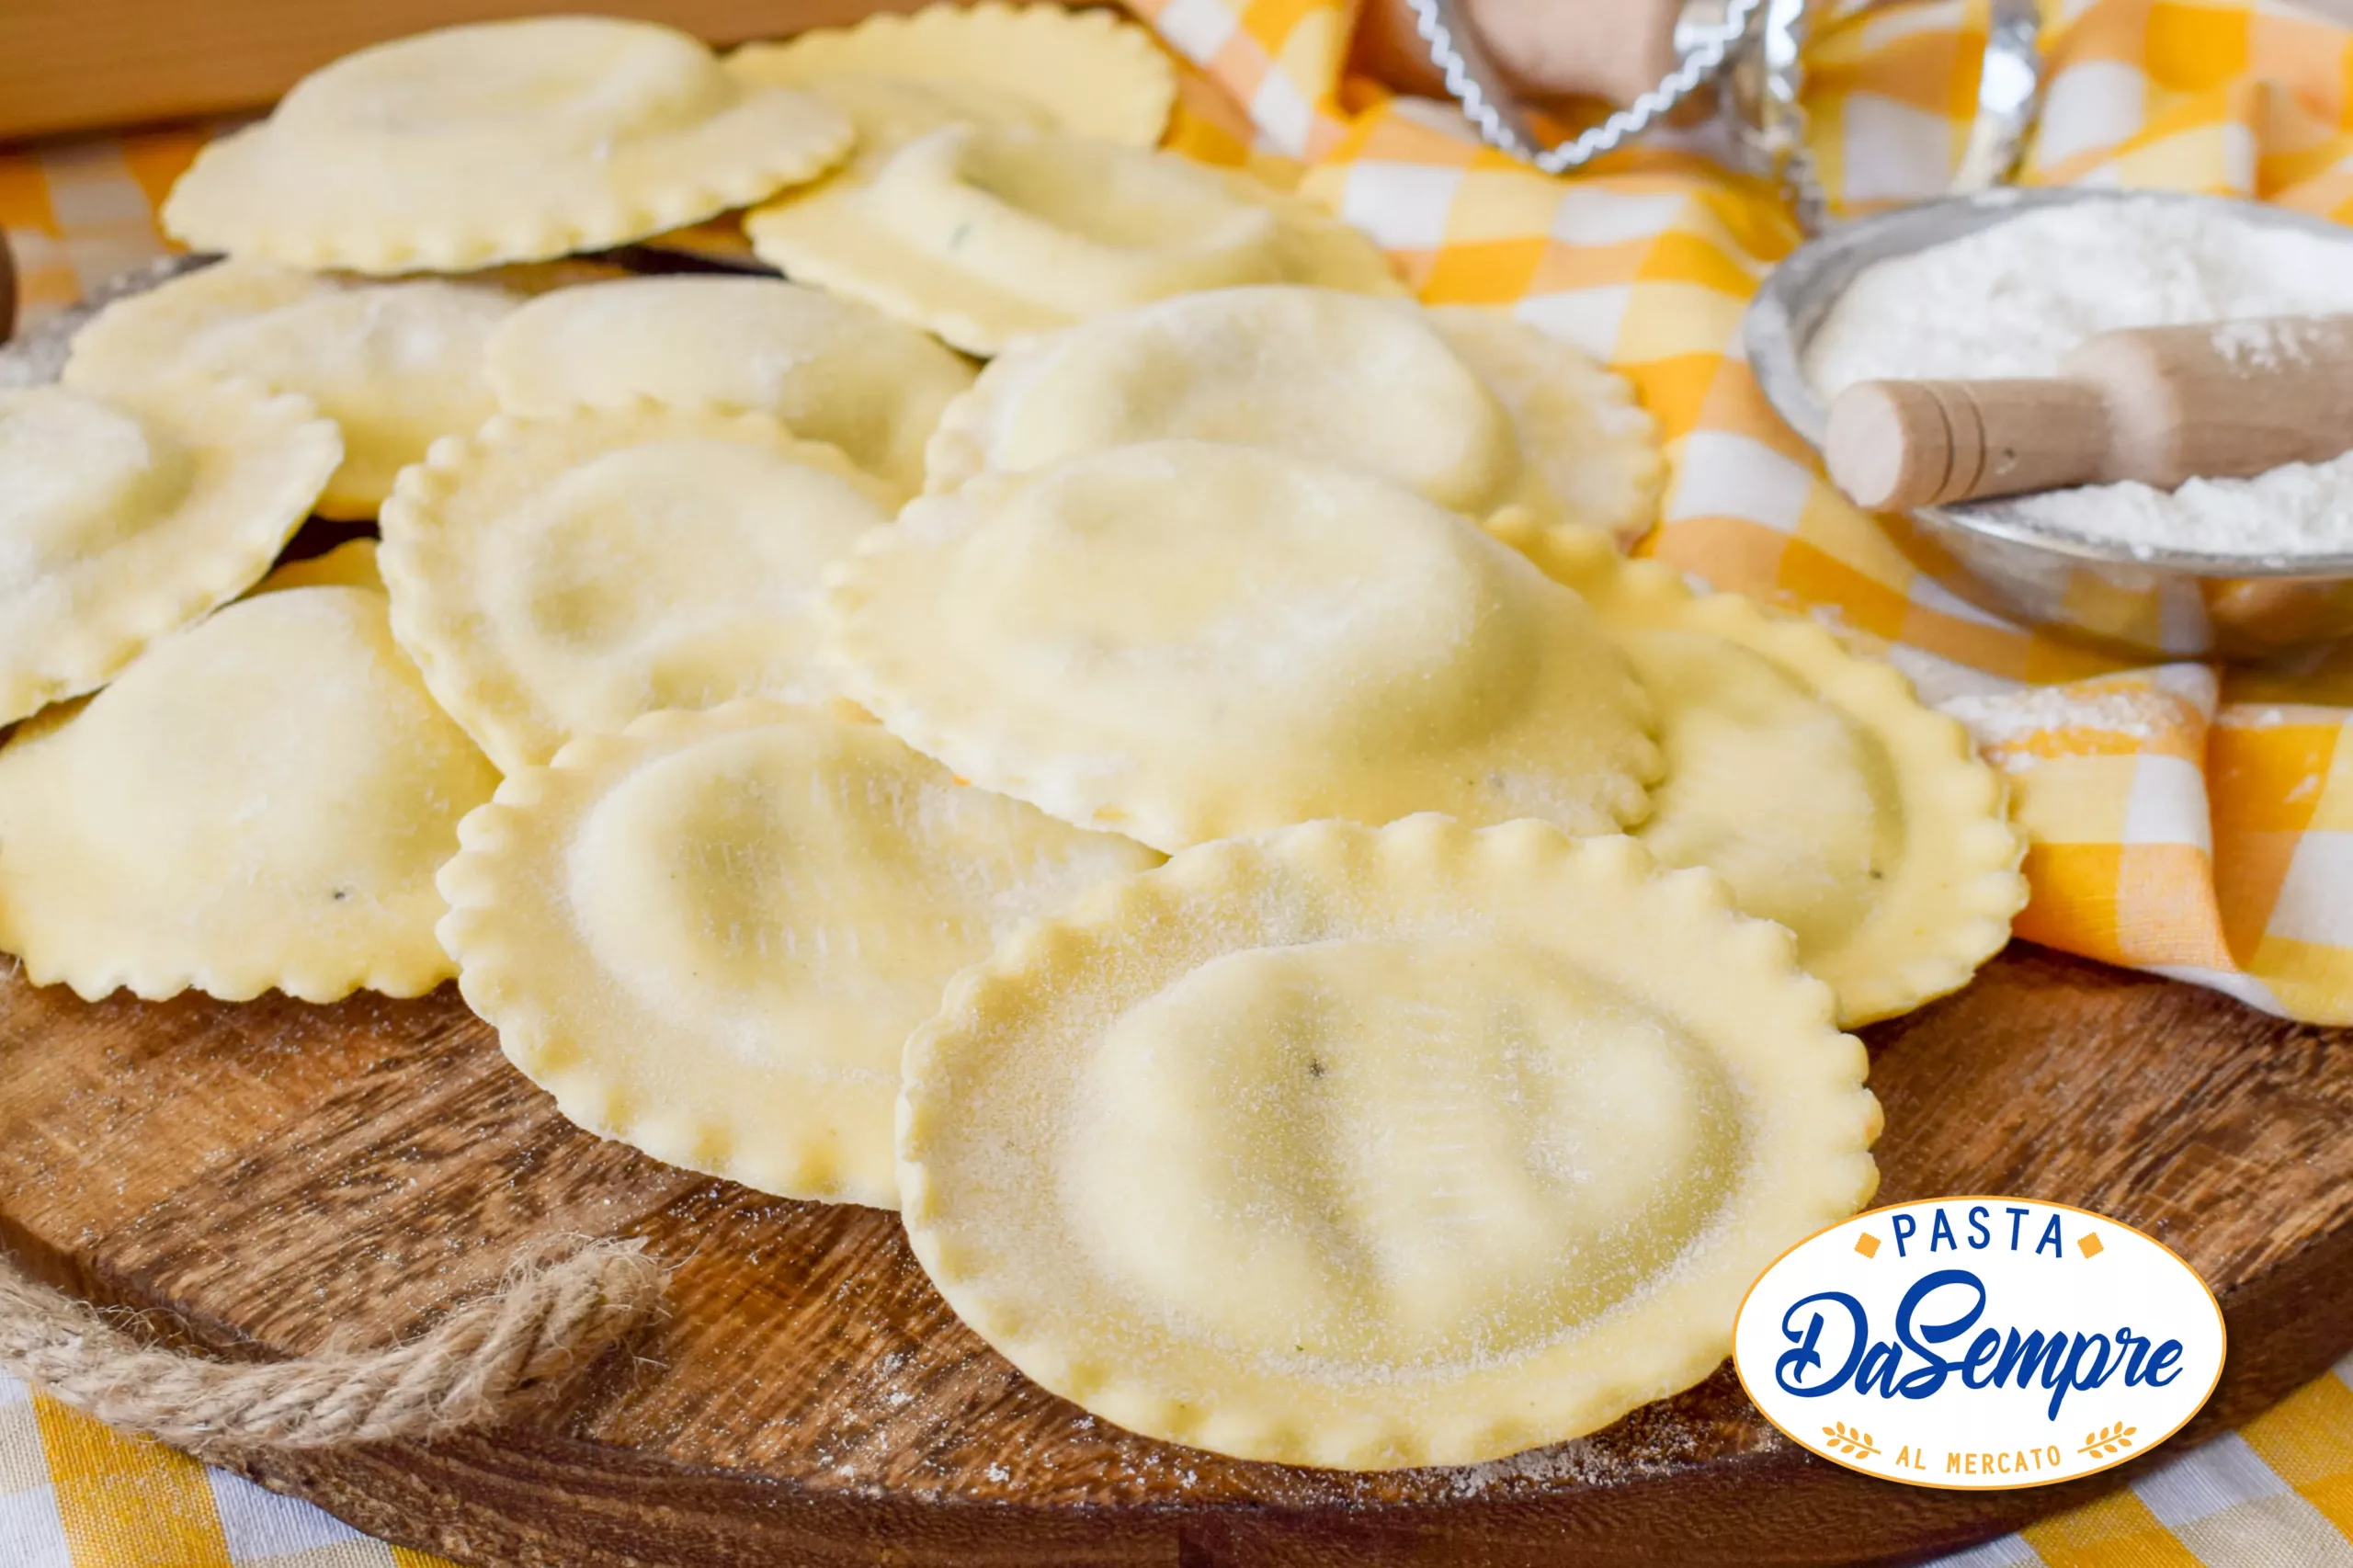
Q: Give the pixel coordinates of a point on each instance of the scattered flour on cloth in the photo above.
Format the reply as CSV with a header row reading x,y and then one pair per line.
x,y
2010,299
2004,723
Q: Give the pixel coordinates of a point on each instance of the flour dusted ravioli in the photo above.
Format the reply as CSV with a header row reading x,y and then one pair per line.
x,y
123,518
261,800
833,369
1379,385
495,141
1379,1147
1030,67
1343,378
709,935
557,577
1181,640
395,365
1810,779
981,234
1595,447
891,111
899,76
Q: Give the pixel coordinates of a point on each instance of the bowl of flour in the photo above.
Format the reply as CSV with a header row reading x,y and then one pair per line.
x,y
2005,283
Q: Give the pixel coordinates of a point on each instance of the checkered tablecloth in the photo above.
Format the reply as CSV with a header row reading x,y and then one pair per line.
x,y
73,1495
2183,820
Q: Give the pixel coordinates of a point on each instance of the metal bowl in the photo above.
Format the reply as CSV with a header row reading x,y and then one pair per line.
x,y
2167,604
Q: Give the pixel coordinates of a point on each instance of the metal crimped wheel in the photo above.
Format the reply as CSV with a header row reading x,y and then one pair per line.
x,y
1751,51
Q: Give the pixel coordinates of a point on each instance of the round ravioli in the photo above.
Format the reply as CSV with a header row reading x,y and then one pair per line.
x,y
982,234
1379,385
890,111
1595,447
261,800
507,140
121,519
396,366
900,76
1812,780
708,935
1182,640
1341,377
1373,1148
558,577
833,369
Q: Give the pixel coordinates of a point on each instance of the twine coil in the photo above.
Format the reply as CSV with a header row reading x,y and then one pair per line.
x,y
472,1367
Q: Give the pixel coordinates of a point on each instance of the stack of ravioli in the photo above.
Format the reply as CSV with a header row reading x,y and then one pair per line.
x,y
1334,962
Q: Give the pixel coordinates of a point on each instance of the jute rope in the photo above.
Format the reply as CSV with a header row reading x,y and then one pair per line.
x,y
468,1369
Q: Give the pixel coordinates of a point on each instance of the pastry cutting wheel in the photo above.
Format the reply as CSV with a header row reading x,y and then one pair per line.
x,y
1750,51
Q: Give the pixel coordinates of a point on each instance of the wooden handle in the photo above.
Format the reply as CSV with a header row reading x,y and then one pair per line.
x,y
2223,398
8,290
1895,445
2156,404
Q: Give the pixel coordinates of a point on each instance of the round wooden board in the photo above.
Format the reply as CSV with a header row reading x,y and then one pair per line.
x,y
274,1174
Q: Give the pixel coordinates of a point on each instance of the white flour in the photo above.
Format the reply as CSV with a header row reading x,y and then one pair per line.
x,y
2010,299
2009,719
2262,344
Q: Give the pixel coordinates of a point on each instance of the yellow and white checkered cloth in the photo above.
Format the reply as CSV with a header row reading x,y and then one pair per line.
x,y
73,1495
2183,820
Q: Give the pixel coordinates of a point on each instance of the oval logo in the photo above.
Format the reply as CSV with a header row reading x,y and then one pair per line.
x,y
1979,1343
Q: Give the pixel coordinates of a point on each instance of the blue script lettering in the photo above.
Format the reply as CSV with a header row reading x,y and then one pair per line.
x,y
1912,1365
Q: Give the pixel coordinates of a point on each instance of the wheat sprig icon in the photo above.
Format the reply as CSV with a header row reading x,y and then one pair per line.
x,y
2109,1441
1852,1440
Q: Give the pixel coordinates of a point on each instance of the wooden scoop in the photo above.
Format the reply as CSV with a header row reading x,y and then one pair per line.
x,y
2160,404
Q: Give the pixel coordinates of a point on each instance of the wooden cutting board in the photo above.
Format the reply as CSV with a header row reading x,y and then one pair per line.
x,y
273,1174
